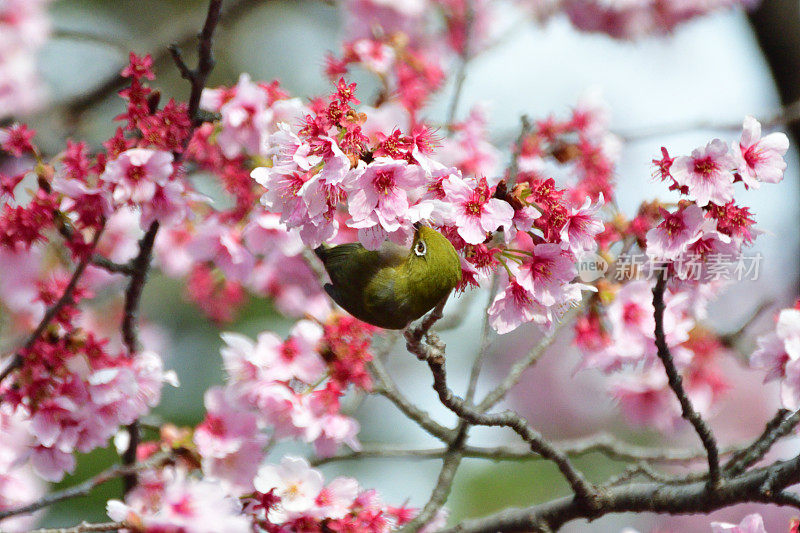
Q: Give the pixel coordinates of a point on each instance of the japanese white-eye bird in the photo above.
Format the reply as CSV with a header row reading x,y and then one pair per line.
x,y
391,286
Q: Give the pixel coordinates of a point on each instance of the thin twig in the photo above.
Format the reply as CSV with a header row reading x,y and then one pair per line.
x,y
53,310
141,264
784,116
731,339
133,294
603,444
205,60
515,374
434,356
90,484
454,454
779,426
464,58
676,384
385,386
107,264
85,527
233,10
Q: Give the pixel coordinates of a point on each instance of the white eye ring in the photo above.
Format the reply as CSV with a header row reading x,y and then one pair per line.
x,y
420,248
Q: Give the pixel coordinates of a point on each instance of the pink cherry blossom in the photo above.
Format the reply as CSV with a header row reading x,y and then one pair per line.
x,y
546,273
469,149
18,485
374,55
581,227
229,441
248,116
137,172
178,502
752,523
707,173
266,235
475,212
778,353
378,196
514,305
295,482
760,159
669,239
631,327
336,498
219,243
646,399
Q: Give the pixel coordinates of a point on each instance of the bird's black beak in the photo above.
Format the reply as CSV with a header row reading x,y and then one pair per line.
x,y
417,225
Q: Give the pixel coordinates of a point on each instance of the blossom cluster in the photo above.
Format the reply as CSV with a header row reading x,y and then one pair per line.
x,y
683,243
290,388
778,353
76,383
24,28
17,485
327,177
288,496
629,20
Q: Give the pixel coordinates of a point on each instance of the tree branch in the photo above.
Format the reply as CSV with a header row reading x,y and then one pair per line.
x,y
233,10
84,527
53,310
433,354
87,486
646,497
515,374
676,384
778,427
603,444
386,387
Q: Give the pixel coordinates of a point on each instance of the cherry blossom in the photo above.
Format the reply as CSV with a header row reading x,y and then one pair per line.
x,y
474,212
137,173
294,482
752,523
778,354
707,173
515,305
760,159
179,501
546,273
669,239
378,199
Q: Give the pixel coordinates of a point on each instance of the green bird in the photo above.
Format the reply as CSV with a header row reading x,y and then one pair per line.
x,y
392,286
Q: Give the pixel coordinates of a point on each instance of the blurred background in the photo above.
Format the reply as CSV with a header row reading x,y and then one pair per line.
x,y
677,92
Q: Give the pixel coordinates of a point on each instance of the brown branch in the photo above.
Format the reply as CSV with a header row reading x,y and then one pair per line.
x,y
464,59
433,354
232,11
85,527
385,386
602,444
87,486
454,453
53,310
651,497
676,384
778,427
141,264
730,340
205,61
515,374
